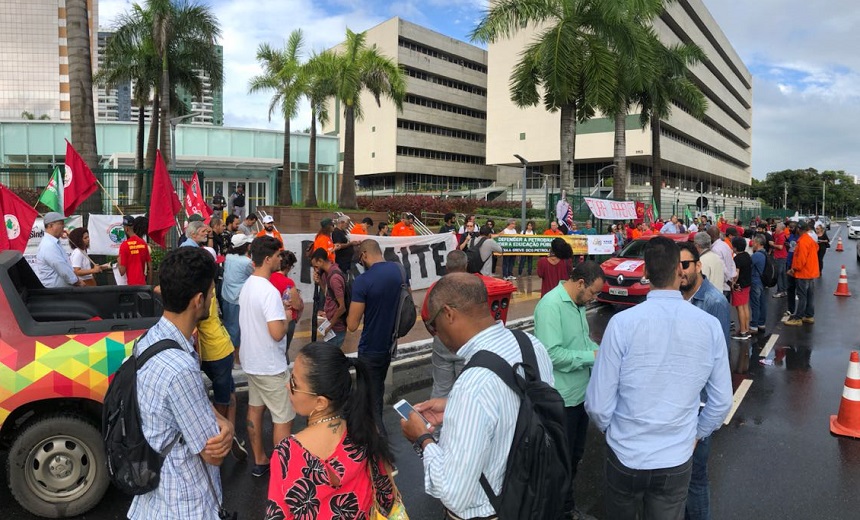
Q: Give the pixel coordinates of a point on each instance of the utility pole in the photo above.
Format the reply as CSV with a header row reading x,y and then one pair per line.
x,y
785,195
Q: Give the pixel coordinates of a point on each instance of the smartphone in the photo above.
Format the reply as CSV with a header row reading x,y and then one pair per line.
x,y
404,409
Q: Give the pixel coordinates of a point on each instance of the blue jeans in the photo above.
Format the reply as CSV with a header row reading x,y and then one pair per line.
x,y
699,494
523,260
231,321
781,281
758,305
338,338
805,297
508,265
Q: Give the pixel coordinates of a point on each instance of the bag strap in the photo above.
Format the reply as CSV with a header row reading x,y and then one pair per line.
x,y
153,350
396,329
222,513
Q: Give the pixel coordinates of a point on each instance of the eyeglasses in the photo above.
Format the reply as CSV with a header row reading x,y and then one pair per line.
x,y
293,388
431,325
686,263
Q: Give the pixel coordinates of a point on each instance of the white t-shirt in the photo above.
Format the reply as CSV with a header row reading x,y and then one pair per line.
x,y
260,303
79,261
507,231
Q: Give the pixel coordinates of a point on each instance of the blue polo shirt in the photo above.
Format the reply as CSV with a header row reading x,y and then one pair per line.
x,y
378,289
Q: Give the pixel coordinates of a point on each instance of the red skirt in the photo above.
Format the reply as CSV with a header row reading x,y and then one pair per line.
x,y
741,297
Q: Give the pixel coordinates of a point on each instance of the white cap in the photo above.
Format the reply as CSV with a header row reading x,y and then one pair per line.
x,y
240,239
268,219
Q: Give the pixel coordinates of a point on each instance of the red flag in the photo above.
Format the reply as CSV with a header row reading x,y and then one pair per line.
x,y
164,203
640,212
78,181
18,220
194,203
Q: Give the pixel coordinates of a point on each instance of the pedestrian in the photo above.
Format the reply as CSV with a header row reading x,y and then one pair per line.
x,y
449,224
194,217
382,229
758,292
561,326
645,391
344,248
339,465
469,218
248,224
237,268
468,233
804,270
508,259
231,227
197,234
620,236
263,324
218,203
406,226
173,400
529,231
724,252
741,287
237,201
79,240
290,293
698,289
589,228
134,261
323,239
446,365
574,229
780,254
823,246
791,282
481,411
553,229
556,266
363,228
269,230
486,247
332,282
218,228
375,299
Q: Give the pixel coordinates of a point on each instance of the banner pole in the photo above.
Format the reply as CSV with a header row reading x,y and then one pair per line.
x,y
111,198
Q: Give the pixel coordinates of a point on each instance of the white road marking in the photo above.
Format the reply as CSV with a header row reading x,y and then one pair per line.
x,y
740,393
769,345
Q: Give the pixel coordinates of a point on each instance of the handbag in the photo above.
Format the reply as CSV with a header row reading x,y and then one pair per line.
x,y
397,511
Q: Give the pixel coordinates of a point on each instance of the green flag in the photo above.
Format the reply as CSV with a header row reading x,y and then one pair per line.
x,y
53,194
687,214
656,211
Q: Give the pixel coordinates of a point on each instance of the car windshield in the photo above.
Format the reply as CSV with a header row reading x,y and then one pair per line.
x,y
634,249
855,223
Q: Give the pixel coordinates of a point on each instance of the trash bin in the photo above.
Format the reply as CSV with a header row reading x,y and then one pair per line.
x,y
499,293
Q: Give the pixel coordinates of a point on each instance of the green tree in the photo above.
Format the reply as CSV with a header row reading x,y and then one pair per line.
x,y
320,73
282,73
362,68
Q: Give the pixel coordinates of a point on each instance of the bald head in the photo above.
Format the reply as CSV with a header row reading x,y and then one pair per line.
x,y
462,291
370,247
714,233
456,261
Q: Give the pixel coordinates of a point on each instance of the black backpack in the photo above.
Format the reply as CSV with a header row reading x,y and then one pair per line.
x,y
406,313
347,290
768,274
133,466
538,472
474,262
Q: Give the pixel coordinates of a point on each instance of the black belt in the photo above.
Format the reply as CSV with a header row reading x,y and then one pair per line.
x,y
452,516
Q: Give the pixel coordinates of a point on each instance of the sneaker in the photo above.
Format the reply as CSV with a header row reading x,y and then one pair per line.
x,y
786,314
741,335
238,450
808,320
779,295
512,277
260,470
753,330
794,323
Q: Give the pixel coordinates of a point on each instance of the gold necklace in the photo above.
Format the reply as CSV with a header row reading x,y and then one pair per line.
x,y
327,419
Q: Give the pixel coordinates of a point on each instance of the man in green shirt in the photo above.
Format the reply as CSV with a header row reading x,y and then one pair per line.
x,y
561,325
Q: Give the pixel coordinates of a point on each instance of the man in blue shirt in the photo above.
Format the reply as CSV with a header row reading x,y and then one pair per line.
x,y
645,391
375,297
697,290
53,266
758,292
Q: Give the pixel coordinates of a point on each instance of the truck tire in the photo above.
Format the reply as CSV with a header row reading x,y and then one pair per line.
x,y
57,466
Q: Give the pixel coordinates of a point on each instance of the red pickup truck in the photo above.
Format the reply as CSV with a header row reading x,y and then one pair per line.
x,y
58,351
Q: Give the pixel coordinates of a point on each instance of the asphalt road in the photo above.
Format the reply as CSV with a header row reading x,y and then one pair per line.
x,y
776,458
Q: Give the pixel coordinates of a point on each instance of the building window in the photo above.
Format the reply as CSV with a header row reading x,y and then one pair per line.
x,y
372,155
445,82
441,55
447,107
522,136
440,130
437,155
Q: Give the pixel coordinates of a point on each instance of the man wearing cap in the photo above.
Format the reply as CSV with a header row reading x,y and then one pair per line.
x,y
218,203
406,226
323,238
134,261
53,266
269,230
343,247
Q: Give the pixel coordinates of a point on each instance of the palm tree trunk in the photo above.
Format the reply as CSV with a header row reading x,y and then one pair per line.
x,y
347,185
165,144
567,141
619,177
311,182
152,143
138,158
285,196
82,112
656,161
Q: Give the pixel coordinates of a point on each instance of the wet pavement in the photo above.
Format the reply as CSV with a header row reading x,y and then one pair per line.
x,y
775,459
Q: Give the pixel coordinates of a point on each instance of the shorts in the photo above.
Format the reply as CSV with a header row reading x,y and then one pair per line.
x,y
220,372
741,297
271,392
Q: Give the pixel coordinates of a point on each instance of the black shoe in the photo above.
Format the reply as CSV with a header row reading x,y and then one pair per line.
x,y
238,450
260,470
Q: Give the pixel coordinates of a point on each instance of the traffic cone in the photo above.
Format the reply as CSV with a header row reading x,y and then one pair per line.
x,y
839,247
842,288
847,423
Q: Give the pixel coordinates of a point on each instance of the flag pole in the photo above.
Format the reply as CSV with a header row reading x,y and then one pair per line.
x,y
109,196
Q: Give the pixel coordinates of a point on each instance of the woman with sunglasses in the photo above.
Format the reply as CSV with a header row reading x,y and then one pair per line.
x,y
335,466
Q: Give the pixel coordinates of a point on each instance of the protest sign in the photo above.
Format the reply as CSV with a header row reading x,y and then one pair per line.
x,y
106,234
611,209
538,245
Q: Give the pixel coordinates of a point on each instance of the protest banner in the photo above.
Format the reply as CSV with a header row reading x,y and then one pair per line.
x,y
538,245
611,209
106,234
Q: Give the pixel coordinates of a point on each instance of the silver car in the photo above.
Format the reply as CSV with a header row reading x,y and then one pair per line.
x,y
854,228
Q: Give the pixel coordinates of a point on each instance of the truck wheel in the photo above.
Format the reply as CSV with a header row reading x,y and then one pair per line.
x,y
57,466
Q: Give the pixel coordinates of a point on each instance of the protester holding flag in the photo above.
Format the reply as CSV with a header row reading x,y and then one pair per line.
x,y
134,260
18,220
52,263
79,239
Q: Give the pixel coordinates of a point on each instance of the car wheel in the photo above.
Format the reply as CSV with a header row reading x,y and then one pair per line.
x,y
57,466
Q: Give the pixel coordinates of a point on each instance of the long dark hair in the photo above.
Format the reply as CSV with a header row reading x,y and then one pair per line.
x,y
76,238
328,376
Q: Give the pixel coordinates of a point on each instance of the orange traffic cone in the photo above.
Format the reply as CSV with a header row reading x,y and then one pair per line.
x,y
839,247
847,423
842,288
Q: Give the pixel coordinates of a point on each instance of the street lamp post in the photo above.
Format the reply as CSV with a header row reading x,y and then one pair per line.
x,y
173,122
525,164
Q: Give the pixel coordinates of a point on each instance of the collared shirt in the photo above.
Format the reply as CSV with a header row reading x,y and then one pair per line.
x,y
561,325
237,270
189,243
53,266
711,300
722,250
669,227
479,427
646,383
173,401
713,268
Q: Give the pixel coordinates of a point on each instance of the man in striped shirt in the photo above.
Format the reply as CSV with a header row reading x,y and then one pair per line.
x,y
481,411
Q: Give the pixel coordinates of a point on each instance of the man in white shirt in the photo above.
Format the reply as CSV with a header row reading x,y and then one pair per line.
x,y
712,266
53,266
508,260
721,249
263,326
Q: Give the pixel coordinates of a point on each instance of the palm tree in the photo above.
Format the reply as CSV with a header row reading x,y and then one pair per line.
x,y
672,84
569,66
362,68
82,114
320,73
282,74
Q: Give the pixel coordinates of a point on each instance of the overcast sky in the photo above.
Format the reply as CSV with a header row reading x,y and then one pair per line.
x,y
802,56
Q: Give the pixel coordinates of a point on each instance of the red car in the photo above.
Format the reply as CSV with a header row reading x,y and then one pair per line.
x,y
625,283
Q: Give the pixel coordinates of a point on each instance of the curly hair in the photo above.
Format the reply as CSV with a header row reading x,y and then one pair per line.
x,y
76,238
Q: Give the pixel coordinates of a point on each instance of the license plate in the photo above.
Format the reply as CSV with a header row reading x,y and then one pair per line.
x,y
615,291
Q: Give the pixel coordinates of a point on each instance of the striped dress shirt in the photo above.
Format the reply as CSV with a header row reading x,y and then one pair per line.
x,y
479,427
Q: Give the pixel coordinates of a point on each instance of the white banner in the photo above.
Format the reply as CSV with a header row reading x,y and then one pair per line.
x,y
422,256
106,234
612,209
601,244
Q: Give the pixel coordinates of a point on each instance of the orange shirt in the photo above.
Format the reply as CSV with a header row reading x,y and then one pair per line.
x,y
636,233
805,259
358,229
324,241
550,231
275,234
402,230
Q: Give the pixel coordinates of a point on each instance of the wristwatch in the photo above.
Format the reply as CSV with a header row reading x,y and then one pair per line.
x,y
418,445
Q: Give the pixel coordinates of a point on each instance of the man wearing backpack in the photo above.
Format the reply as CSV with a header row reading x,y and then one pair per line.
x,y
173,401
480,252
758,291
332,282
481,411
644,394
